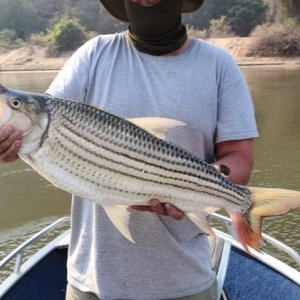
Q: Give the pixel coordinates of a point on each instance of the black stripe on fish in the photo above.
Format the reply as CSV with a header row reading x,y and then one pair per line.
x,y
98,155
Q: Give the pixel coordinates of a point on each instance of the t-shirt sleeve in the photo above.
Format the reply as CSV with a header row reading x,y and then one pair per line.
x,y
73,79
236,117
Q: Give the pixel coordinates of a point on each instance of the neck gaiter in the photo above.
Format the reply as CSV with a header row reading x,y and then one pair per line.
x,y
157,29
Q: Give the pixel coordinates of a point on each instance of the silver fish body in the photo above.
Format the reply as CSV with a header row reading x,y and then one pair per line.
x,y
115,163
89,152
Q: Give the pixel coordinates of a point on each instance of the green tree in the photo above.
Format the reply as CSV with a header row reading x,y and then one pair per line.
x,y
242,15
19,16
245,15
9,39
49,10
88,13
212,9
66,35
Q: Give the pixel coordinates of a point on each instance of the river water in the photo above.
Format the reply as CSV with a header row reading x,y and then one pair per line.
x,y
28,202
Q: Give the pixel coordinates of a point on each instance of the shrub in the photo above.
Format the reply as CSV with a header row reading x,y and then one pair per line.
x,y
220,28
66,35
39,40
279,39
196,33
9,39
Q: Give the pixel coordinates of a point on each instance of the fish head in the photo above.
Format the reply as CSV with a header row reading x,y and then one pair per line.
x,y
26,112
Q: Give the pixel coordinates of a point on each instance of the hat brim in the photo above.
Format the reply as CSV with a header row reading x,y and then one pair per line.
x,y
117,9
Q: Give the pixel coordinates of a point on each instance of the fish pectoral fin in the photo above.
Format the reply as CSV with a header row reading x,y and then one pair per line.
x,y
159,127
119,216
201,221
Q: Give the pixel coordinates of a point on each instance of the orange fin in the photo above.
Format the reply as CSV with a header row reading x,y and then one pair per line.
x,y
271,202
266,202
246,236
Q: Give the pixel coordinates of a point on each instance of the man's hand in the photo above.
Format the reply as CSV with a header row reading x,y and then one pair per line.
x,y
10,144
165,209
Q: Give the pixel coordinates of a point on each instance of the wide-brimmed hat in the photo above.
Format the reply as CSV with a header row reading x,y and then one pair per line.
x,y
117,8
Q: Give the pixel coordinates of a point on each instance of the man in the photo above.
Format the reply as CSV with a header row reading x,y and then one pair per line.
x,y
153,69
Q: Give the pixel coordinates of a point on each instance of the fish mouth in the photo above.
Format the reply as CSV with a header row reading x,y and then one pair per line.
x,y
8,117
27,113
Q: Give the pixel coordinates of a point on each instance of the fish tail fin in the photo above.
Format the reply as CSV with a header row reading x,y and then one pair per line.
x,y
267,202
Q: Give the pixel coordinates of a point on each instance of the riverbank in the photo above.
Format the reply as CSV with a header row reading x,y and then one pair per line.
x,y
34,58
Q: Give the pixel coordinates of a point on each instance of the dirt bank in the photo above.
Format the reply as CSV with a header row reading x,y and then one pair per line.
x,y
30,58
238,47
35,58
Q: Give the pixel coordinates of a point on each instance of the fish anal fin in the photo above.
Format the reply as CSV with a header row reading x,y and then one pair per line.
x,y
245,234
159,127
201,221
119,216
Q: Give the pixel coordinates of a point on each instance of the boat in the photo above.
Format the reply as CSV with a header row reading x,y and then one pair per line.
x,y
240,275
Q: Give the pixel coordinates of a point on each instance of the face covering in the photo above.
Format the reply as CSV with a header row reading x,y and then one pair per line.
x,y
157,29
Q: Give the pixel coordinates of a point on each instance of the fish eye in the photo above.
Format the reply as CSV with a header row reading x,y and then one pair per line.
x,y
15,103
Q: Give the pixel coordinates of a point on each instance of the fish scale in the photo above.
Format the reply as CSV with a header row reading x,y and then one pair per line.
x,y
118,163
142,152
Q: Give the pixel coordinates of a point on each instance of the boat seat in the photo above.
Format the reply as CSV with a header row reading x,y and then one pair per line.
x,y
220,252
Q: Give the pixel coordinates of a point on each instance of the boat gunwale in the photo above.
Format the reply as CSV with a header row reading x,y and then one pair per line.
x,y
22,267
62,240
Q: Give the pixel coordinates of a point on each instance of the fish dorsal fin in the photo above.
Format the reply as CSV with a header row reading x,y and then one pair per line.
x,y
119,216
159,127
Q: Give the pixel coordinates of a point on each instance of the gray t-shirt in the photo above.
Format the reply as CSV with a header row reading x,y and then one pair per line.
x,y
204,88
